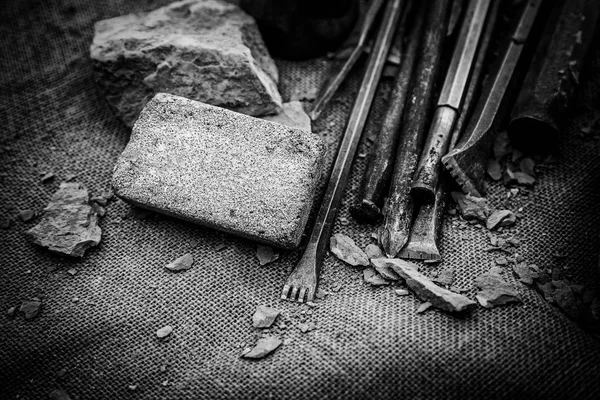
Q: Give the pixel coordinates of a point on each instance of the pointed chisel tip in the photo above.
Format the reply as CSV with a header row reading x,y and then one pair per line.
x,y
392,241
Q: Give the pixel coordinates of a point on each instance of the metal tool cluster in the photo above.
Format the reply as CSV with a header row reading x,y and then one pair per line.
x,y
458,78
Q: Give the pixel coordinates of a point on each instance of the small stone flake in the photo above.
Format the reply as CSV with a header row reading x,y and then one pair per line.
x,y
424,307
373,278
31,308
264,316
164,332
266,254
401,292
26,215
183,263
346,250
47,177
263,347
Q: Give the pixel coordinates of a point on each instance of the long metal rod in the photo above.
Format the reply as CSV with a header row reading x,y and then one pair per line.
x,y
380,164
467,163
398,209
450,100
331,86
303,281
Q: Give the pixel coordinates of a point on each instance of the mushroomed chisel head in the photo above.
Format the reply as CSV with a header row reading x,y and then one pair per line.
x,y
221,169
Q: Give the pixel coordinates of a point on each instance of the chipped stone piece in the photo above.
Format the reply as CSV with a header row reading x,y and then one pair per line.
x,y
382,268
494,169
100,200
304,328
11,312
164,332
68,225
266,254
47,177
426,290
292,115
72,271
182,263
264,316
321,294
527,166
565,298
346,250
495,291
59,394
206,50
500,218
31,308
518,177
424,307
501,260
232,172
373,278
471,207
525,273
263,347
401,292
445,277
373,251
99,210
26,215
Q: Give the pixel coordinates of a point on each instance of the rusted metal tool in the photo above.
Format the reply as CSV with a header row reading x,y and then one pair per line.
x,y
302,283
380,164
553,76
398,209
448,106
467,163
423,241
331,85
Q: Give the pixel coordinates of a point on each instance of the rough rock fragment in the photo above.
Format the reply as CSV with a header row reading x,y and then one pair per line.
x,y
59,394
445,277
164,332
292,115
424,307
518,177
346,250
182,263
31,308
26,215
494,169
304,328
471,207
401,292
383,269
426,290
266,254
68,225
373,278
373,251
525,273
11,312
221,169
264,316
99,210
47,177
263,347
527,166
500,218
205,50
495,291
565,298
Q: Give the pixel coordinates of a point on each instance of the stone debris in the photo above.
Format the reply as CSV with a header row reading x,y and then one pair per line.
x,y
304,328
292,115
100,200
59,394
445,277
471,207
500,218
501,260
424,307
266,254
164,332
31,308
495,291
425,289
383,269
26,215
401,292
132,388
494,170
263,347
69,226
560,293
11,312
205,50
527,166
346,250
48,177
321,294
183,263
99,210
264,317
525,273
519,178
373,251
373,278
72,271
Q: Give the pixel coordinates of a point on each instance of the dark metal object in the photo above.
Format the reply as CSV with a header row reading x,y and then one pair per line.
x,y
450,100
455,14
422,243
337,76
553,76
398,209
467,163
303,281
380,164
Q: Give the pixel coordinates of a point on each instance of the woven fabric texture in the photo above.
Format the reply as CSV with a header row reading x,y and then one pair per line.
x,y
100,323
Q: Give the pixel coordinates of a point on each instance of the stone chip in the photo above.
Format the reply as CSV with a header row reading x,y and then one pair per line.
x,y
264,316
346,250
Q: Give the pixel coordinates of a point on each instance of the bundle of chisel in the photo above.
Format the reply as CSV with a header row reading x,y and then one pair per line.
x,y
461,67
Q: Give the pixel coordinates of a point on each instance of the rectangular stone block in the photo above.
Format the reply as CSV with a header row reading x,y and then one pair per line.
x,y
221,169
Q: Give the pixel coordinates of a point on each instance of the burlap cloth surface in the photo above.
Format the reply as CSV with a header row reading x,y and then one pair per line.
x,y
369,341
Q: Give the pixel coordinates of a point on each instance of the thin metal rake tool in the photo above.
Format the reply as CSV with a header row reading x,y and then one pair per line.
x,y
303,281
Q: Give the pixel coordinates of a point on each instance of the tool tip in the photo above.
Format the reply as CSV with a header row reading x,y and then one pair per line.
x,y
392,242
